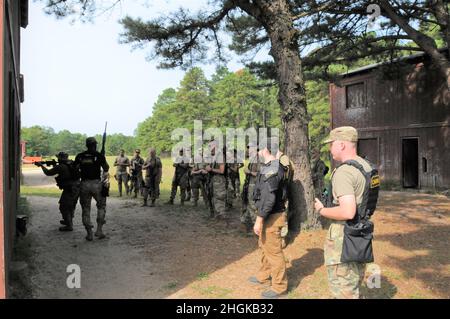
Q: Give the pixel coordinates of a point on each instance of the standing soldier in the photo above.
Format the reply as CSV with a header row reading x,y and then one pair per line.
x,y
355,185
122,162
69,181
319,170
136,172
180,178
218,183
233,175
199,178
249,211
271,205
90,164
153,168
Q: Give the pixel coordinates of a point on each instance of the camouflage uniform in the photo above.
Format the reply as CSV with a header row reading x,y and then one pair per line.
x,y
345,279
152,179
199,182
249,210
70,186
122,162
233,177
90,164
181,179
136,174
219,193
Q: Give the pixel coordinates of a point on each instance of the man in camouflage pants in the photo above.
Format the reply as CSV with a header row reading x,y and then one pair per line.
x,y
69,182
122,163
136,172
199,179
348,184
90,164
218,183
180,178
249,210
153,168
233,175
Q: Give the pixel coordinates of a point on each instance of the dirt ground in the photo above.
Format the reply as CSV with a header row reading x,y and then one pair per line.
x,y
177,252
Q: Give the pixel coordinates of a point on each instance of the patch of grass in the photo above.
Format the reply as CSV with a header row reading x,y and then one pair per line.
x,y
214,292
417,295
202,276
171,285
40,191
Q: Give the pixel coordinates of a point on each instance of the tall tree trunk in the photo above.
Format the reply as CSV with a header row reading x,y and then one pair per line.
x,y
276,18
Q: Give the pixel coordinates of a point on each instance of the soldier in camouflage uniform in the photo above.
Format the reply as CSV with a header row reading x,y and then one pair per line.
x,y
233,176
180,178
249,210
90,164
136,164
218,184
348,184
68,180
199,179
122,162
153,168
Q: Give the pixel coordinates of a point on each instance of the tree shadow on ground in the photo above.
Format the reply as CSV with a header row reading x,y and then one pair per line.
x,y
304,266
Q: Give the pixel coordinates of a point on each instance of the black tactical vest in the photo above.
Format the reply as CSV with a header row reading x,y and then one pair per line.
x,y
358,232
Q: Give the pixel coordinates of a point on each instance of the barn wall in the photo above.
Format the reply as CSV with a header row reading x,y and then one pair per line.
x,y
13,15
410,102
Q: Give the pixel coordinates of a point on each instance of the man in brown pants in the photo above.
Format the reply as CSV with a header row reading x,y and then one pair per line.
x,y
271,206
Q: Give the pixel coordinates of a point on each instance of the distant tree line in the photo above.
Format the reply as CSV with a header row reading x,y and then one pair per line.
x,y
41,140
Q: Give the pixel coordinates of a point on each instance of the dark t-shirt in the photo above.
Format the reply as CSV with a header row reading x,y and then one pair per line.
x,y
90,164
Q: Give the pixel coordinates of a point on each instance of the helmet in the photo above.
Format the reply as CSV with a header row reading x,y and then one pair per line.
x,y
90,141
62,155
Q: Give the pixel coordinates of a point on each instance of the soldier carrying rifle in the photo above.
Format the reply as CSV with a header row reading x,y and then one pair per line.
x,y
68,180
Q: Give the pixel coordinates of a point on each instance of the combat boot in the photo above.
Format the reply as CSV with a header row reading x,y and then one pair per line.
x,y
145,203
135,194
170,202
89,236
99,232
66,228
195,203
153,203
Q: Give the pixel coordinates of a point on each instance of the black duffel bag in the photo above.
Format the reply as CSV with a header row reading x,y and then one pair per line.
x,y
357,245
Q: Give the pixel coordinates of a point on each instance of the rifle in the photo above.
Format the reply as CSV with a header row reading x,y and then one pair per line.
x,y
105,190
104,140
46,163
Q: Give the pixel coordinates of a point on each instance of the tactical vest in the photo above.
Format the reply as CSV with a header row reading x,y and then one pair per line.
x,y
288,176
358,232
371,189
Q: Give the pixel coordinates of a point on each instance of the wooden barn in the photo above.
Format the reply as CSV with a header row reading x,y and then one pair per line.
x,y
402,112
14,16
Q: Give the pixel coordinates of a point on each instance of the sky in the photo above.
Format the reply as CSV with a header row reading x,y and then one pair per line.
x,y
77,76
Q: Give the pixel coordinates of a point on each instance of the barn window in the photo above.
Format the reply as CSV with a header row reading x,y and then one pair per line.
x,y
355,95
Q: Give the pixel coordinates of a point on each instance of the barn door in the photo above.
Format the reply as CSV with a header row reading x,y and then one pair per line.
x,y
410,162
